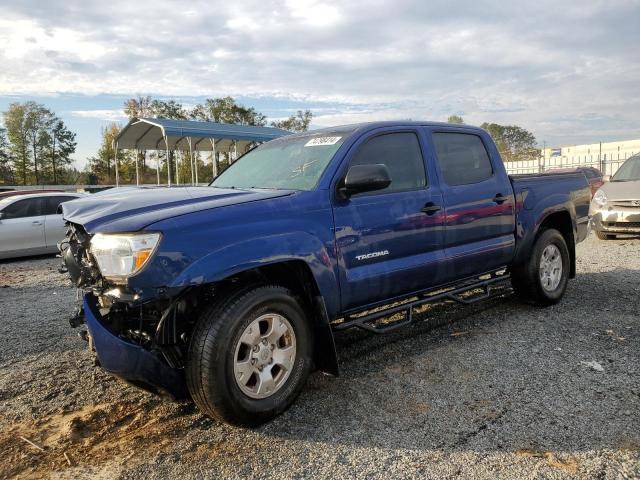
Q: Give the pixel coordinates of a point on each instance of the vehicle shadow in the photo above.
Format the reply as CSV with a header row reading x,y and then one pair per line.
x,y
498,376
21,261
622,236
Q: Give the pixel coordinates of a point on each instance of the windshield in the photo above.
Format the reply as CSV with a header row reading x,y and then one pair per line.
x,y
629,171
288,163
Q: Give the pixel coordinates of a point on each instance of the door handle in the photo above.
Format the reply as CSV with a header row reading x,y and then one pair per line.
x,y
430,208
36,222
500,199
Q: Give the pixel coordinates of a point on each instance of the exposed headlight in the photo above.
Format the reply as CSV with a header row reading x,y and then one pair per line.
x,y
600,198
121,255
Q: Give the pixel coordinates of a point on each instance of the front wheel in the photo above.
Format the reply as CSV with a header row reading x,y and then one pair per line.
x,y
250,356
543,279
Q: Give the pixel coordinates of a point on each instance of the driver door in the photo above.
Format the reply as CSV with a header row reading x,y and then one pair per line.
x,y
388,241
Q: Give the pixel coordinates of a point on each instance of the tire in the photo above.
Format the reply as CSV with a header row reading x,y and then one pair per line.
x,y
530,282
216,348
605,236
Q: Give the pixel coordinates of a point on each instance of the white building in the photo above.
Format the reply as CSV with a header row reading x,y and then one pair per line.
x,y
606,156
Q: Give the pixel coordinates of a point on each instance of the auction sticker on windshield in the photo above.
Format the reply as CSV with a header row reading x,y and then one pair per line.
x,y
320,141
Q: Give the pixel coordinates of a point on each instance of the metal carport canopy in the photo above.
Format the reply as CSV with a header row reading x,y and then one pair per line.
x,y
162,133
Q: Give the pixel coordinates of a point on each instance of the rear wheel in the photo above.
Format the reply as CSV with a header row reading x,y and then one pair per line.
x,y
543,279
250,356
605,236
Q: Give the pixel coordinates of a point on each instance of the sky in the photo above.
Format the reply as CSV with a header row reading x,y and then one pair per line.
x,y
568,71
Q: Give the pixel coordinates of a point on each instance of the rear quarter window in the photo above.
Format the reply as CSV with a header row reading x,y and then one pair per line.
x,y
52,203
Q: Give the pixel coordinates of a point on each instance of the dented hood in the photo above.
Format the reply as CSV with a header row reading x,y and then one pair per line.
x,y
131,209
622,190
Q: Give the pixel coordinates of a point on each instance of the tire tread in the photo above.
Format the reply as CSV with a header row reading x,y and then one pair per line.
x,y
524,277
204,355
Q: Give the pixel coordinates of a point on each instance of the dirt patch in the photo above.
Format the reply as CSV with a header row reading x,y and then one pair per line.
x,y
567,464
39,272
98,438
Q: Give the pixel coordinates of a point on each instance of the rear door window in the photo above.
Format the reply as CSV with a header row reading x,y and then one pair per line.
x,y
462,157
52,203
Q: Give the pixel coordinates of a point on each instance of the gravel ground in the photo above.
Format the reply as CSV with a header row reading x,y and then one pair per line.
x,y
502,390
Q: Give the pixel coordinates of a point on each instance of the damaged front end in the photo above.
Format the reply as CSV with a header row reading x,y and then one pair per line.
x,y
141,341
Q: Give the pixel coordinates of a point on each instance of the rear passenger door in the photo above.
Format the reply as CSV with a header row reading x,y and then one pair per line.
x,y
54,228
479,203
388,242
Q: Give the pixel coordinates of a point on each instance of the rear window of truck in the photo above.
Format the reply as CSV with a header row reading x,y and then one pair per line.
x,y
462,157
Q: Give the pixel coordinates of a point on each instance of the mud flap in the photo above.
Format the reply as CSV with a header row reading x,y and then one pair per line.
x,y
326,356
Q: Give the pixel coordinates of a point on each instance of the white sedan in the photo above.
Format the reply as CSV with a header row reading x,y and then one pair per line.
x,y
30,224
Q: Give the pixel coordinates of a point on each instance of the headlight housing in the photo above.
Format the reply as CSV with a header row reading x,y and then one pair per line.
x,y
600,198
120,256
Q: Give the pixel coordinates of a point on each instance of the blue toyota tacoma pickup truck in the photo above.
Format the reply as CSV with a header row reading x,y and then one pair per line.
x,y
231,293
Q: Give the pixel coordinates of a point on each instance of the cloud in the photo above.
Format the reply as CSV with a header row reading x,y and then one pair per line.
x,y
512,62
105,115
314,13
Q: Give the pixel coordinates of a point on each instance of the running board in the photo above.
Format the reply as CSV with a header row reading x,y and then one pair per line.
x,y
455,294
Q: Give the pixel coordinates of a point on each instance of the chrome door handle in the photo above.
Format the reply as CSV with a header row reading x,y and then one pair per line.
x,y
500,199
430,208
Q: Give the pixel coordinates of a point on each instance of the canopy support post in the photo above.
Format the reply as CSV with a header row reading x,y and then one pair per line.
x,y
115,158
235,150
177,154
144,152
178,158
137,172
195,161
191,161
166,143
158,160
214,163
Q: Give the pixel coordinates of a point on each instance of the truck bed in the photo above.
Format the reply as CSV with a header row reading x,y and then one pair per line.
x,y
542,194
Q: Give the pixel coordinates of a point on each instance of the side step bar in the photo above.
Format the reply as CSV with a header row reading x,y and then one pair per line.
x,y
487,283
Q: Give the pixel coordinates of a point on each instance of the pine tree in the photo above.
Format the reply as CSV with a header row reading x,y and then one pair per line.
x,y
15,122
60,146
38,120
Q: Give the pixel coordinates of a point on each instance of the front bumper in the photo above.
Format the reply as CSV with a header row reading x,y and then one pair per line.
x,y
132,362
616,220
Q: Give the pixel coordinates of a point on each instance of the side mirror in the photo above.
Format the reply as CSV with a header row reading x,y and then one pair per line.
x,y
365,178
606,178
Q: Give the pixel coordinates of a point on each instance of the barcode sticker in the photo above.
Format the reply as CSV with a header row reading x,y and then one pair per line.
x,y
321,141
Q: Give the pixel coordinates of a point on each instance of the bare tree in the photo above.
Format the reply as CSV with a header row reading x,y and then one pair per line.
x,y
295,123
455,119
